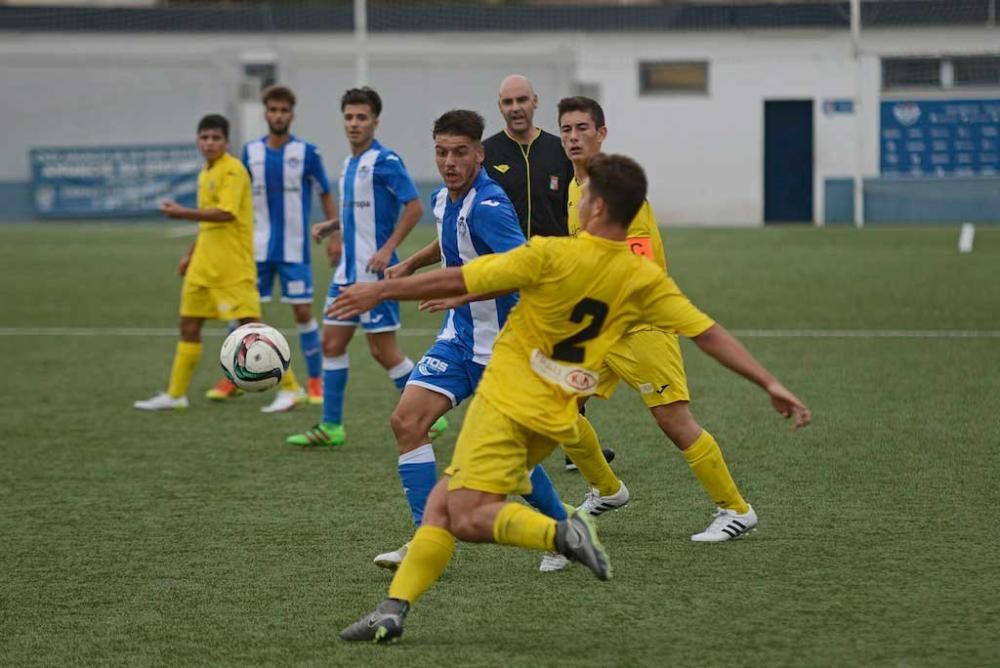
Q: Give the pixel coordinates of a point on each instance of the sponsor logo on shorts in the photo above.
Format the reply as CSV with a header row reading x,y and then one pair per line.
x,y
431,366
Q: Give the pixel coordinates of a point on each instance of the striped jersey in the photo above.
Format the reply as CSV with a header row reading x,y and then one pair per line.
x,y
282,181
481,222
374,186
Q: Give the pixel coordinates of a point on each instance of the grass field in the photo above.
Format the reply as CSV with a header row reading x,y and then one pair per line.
x,y
200,538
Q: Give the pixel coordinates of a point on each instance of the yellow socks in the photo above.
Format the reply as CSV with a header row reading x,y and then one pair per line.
x,y
586,454
706,462
426,558
185,361
523,527
289,381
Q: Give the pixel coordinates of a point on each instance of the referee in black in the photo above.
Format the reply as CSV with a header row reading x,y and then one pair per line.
x,y
529,163
531,166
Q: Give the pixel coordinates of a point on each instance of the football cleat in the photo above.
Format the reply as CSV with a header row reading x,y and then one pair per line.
x,y
162,402
284,400
385,624
224,389
553,562
576,538
392,560
609,456
727,525
594,504
320,436
315,391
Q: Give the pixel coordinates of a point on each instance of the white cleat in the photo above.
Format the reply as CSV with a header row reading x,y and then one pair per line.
x,y
595,504
392,560
284,401
162,402
727,525
553,562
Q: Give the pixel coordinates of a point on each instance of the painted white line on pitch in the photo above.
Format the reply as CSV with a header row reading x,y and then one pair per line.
x,y
746,333
184,231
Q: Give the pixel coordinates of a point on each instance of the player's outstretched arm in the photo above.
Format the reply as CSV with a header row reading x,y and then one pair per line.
x,y
172,209
729,352
361,297
407,220
426,256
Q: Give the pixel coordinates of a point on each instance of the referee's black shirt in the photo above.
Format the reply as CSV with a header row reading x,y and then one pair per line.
x,y
540,201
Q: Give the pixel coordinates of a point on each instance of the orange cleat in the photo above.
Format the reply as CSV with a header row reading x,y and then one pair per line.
x,y
223,390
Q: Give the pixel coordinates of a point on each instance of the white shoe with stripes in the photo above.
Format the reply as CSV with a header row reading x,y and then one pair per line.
x,y
727,525
595,504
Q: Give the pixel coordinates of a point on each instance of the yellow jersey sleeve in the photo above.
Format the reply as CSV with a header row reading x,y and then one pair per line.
x,y
644,236
668,308
500,272
572,201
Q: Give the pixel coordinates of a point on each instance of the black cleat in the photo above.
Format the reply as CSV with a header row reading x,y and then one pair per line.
x,y
576,539
385,624
609,455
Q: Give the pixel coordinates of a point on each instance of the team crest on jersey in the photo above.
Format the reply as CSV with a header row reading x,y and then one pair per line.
x,y
293,162
363,170
463,227
553,182
501,168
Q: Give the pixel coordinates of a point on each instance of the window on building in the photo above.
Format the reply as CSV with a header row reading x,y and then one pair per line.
x,y
673,77
977,70
911,73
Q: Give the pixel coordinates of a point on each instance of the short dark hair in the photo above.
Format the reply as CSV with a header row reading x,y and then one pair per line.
x,y
620,182
584,104
279,93
364,95
462,122
214,122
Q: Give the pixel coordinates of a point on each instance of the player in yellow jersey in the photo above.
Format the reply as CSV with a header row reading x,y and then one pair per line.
x,y
649,359
220,276
578,297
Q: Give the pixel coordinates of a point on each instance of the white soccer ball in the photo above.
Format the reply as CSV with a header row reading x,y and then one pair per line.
x,y
255,357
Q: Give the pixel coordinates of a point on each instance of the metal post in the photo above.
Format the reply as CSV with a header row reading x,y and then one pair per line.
x,y
361,42
859,115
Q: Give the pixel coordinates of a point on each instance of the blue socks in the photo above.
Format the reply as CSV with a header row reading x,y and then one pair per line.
x,y
418,472
309,342
335,371
401,373
544,496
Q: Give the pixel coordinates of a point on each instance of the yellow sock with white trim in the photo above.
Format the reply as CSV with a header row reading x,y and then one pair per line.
x,y
524,527
706,462
586,453
426,558
186,358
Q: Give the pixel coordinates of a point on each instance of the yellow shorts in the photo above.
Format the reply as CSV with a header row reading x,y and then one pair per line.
x,y
650,362
229,302
494,453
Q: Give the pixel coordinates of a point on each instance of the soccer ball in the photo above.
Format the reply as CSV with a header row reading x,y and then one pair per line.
x,y
255,357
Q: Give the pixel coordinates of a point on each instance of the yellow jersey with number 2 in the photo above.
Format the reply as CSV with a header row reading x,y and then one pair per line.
x,y
579,295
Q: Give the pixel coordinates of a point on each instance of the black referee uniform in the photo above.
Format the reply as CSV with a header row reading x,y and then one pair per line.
x,y
535,177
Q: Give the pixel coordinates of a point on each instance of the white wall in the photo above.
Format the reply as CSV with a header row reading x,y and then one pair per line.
x,y
704,153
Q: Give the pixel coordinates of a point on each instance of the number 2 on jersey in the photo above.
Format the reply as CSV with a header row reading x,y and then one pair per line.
x,y
569,349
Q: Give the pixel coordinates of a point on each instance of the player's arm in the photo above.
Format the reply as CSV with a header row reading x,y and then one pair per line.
x,y
412,212
185,260
426,256
172,209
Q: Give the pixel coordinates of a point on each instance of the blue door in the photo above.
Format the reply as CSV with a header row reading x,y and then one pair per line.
x,y
788,161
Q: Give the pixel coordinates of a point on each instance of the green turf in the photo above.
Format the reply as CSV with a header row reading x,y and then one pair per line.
x,y
199,538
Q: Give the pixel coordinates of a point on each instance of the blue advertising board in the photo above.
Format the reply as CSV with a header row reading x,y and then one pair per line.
x,y
940,138
102,181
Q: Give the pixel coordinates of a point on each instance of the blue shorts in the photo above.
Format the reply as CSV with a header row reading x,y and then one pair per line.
x,y
382,318
446,370
296,281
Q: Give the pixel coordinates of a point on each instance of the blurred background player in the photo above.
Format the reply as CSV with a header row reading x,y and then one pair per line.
x,y
283,172
578,298
532,168
374,188
474,218
220,277
649,359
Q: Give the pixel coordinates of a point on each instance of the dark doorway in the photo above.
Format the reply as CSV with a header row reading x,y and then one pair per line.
x,y
788,161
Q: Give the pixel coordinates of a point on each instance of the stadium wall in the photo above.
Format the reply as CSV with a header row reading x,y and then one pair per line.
x,y
704,151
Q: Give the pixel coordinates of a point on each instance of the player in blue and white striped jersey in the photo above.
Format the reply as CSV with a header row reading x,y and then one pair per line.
x,y
284,172
379,206
474,217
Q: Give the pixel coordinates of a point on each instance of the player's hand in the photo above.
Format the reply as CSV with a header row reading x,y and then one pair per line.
x,y
182,266
171,209
322,230
442,304
333,249
379,261
355,300
789,405
399,270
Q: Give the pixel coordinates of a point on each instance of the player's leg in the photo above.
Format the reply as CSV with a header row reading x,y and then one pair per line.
x,y
336,366
297,290
607,491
